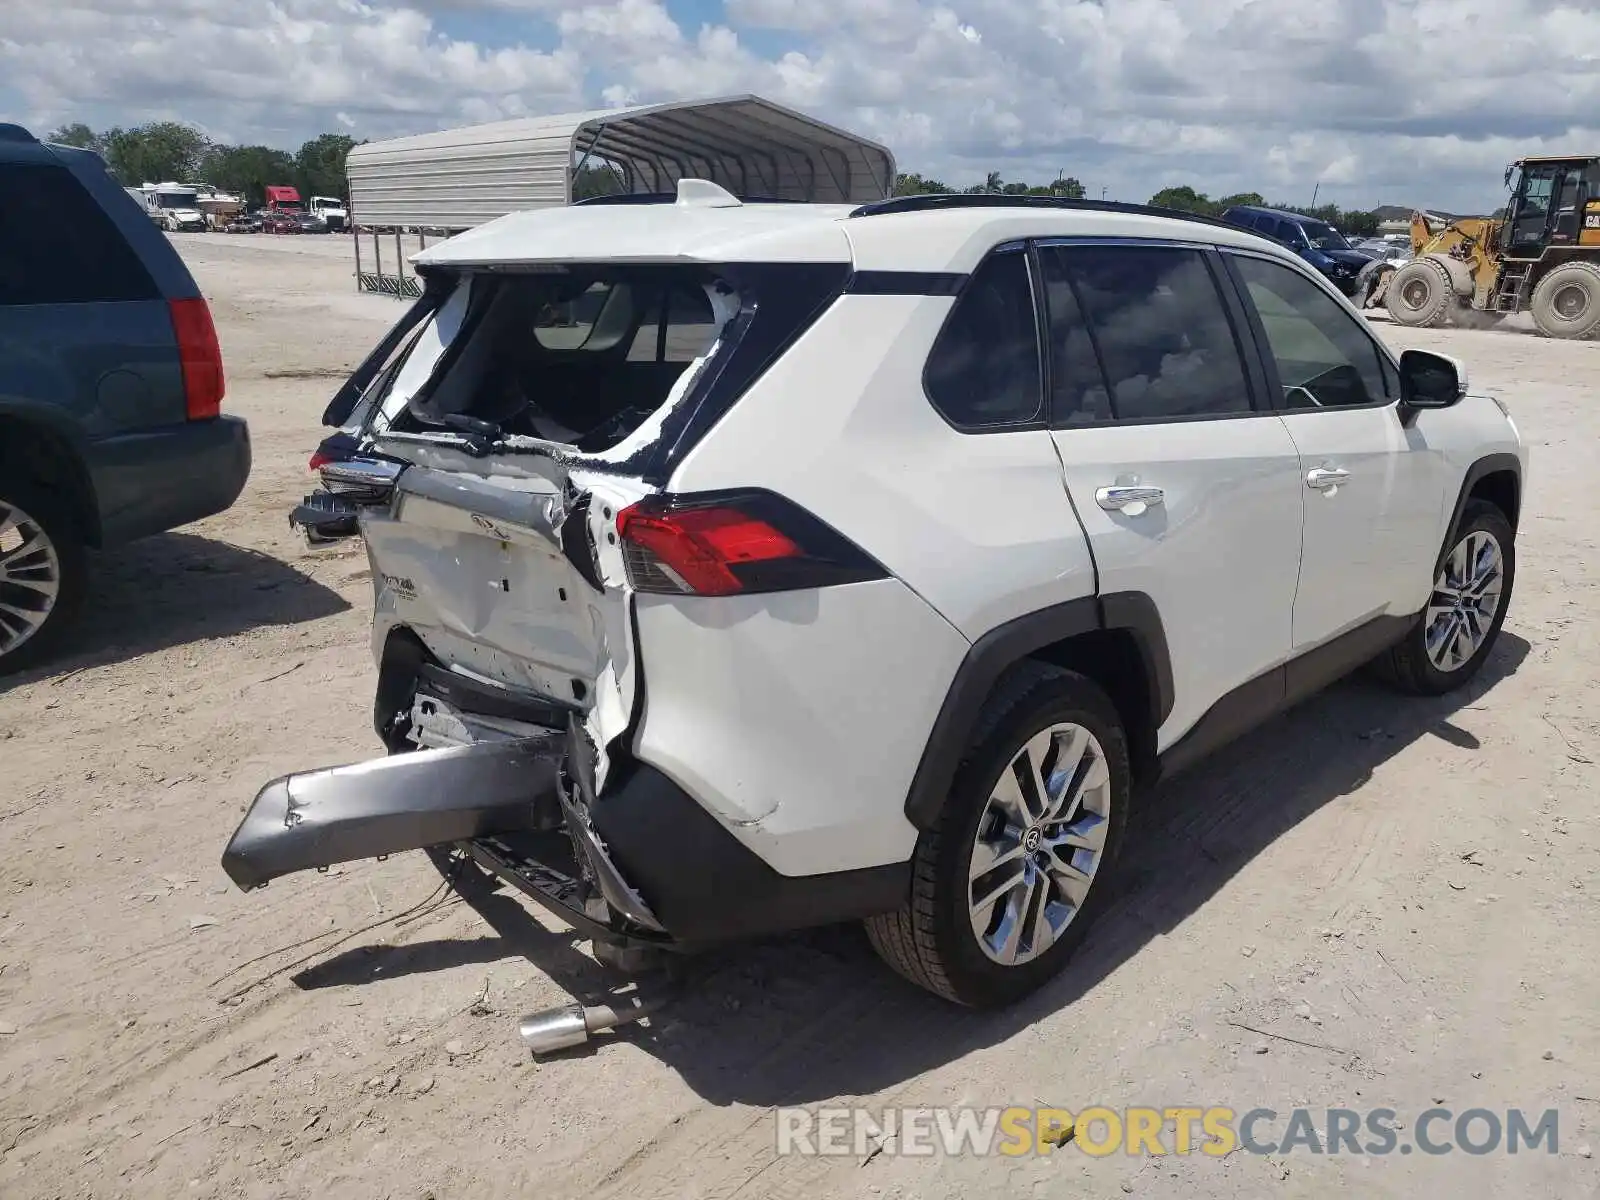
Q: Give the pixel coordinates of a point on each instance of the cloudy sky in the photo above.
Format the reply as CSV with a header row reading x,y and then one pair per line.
x,y
1402,102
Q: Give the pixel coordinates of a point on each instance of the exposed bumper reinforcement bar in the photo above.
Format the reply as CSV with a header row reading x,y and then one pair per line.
x,y
388,805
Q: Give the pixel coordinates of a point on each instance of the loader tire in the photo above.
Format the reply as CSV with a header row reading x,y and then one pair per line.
x,y
1566,304
1420,294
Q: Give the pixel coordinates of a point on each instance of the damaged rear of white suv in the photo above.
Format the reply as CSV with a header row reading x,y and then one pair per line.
x,y
747,567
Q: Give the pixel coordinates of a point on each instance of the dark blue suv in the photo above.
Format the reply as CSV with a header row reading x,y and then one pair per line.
x,y
110,387
1319,243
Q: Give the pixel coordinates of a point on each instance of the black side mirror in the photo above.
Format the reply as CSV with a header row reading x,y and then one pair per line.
x,y
1431,380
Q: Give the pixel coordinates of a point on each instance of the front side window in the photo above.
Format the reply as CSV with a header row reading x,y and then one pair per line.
x,y
1324,358
983,370
1158,326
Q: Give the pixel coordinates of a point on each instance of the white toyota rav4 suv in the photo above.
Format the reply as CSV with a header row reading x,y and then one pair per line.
x,y
743,567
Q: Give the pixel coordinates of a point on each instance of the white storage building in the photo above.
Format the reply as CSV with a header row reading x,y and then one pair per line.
x,y
460,178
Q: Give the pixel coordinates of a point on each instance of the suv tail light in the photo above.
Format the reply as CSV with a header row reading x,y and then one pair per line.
x,y
201,358
727,543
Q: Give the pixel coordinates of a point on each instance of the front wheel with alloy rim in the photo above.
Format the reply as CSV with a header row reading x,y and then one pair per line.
x,y
1454,635
1007,880
42,575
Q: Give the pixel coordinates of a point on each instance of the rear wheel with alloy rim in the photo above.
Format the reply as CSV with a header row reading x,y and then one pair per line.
x,y
1471,591
41,574
1039,844
1009,877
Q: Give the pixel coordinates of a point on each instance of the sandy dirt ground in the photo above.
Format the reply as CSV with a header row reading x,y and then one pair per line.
x,y
1373,902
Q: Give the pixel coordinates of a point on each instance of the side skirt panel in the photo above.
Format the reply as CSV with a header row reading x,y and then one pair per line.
x,y
1279,689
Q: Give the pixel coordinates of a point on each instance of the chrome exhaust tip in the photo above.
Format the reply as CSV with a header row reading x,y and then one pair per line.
x,y
554,1029
570,1025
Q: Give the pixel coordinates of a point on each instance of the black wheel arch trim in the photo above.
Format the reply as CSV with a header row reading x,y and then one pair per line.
x,y
56,429
1489,464
1006,645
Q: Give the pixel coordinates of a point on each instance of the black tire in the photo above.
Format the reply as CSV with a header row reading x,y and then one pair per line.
x,y
55,524
1566,304
931,941
1420,294
1408,665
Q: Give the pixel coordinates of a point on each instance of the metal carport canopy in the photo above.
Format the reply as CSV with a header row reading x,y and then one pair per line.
x,y
460,178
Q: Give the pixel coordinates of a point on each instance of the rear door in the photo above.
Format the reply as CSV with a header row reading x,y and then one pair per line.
x,y
1373,488
1187,484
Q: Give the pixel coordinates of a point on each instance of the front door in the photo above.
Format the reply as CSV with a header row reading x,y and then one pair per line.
x,y
1186,483
1372,487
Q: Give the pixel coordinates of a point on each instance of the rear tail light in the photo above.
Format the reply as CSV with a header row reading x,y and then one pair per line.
x,y
201,358
728,543
336,447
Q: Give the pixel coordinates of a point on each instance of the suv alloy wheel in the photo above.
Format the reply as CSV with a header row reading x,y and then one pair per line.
x,y
1006,883
42,574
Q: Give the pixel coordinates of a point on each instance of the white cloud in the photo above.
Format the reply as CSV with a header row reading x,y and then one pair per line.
x,y
1399,101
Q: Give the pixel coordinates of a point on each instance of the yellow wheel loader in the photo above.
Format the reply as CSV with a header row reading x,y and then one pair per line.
x,y
1542,258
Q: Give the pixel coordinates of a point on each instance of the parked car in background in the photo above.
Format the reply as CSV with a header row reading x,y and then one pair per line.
x,y
671,583
1385,254
1317,242
276,220
310,222
1388,251
111,386
244,223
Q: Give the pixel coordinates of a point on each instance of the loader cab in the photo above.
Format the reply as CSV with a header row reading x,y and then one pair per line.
x,y
1555,202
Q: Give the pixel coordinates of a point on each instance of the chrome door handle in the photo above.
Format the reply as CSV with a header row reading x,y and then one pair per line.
x,y
1131,501
1323,478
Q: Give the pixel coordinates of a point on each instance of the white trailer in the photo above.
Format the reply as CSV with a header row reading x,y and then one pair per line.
x,y
438,184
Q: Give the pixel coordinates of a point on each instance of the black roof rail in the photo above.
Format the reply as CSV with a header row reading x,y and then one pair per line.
x,y
15,133
905,204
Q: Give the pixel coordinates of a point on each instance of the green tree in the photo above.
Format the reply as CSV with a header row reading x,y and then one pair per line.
x,y
1359,223
159,152
1066,187
1256,199
247,171
319,166
1185,199
77,134
917,185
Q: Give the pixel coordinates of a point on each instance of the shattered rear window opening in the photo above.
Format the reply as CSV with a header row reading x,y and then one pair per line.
x,y
580,359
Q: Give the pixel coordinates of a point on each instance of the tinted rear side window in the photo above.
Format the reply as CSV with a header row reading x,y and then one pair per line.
x,y
1160,329
983,371
58,247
